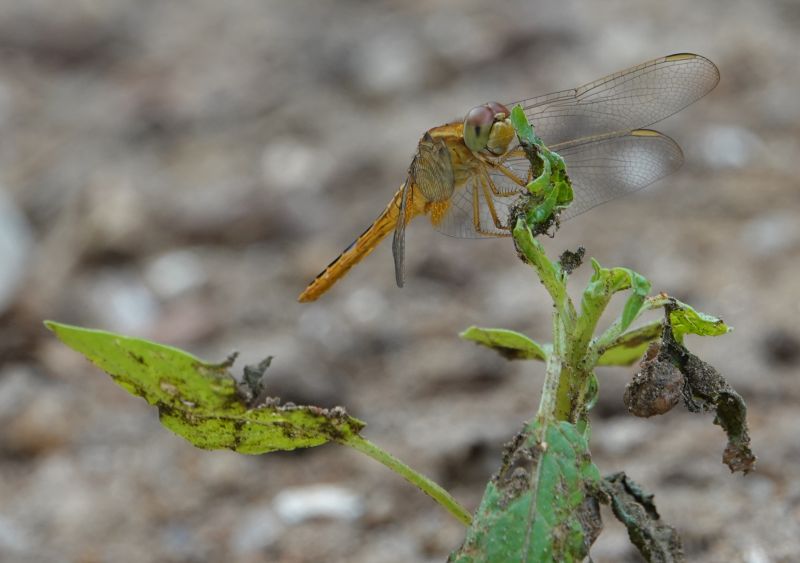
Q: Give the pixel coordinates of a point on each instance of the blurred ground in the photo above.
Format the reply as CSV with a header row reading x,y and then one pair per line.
x,y
181,170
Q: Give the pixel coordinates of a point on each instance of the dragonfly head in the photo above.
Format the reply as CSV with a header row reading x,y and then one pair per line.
x,y
487,128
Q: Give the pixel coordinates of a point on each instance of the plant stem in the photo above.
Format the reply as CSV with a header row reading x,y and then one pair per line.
x,y
549,403
427,486
549,273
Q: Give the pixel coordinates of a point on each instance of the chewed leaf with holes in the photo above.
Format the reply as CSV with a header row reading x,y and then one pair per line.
x,y
202,402
538,507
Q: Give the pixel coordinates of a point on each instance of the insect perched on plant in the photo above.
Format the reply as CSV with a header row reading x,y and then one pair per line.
x,y
466,175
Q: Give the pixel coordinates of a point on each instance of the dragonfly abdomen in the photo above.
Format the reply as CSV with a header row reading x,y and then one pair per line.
x,y
362,246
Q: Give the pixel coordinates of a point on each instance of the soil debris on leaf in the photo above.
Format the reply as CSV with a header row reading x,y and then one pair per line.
x,y
514,476
252,386
571,260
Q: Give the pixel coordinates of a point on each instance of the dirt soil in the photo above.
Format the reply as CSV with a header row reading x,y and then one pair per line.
x,y
180,171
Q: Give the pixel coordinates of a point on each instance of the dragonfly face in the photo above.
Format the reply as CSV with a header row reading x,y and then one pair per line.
x,y
466,176
487,128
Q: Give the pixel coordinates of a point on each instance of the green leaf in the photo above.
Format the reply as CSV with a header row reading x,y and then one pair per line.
x,y
565,192
628,348
508,343
202,402
520,122
686,320
654,539
537,507
604,283
641,287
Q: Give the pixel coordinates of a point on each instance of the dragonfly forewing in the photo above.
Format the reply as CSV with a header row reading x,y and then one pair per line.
x,y
634,98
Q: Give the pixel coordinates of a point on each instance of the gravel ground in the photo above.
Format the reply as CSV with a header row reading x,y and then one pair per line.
x,y
181,170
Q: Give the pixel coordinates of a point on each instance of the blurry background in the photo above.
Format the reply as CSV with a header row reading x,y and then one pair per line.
x,y
180,171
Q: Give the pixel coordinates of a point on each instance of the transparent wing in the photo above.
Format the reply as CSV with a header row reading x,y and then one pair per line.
x,y
609,166
631,99
612,166
474,211
599,130
601,168
399,238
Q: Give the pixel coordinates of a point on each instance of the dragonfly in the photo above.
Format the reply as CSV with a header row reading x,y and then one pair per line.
x,y
466,175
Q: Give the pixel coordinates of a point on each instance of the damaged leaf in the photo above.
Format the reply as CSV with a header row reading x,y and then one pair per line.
x,y
508,343
536,508
731,416
684,320
202,402
705,388
655,540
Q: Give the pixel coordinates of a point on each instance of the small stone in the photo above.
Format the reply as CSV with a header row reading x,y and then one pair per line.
x,y
727,146
770,234
317,501
175,273
258,529
13,539
781,348
292,165
123,303
16,245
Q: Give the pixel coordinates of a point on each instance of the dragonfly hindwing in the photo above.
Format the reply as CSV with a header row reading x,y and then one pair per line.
x,y
432,170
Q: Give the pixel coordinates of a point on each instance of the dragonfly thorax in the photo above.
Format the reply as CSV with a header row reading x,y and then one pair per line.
x,y
487,128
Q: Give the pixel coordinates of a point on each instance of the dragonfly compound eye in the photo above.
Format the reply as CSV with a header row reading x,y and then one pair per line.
x,y
499,110
477,127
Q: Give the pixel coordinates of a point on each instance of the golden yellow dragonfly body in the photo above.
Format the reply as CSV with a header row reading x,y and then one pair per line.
x,y
466,175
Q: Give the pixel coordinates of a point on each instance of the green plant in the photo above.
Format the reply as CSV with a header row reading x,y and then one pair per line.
x,y
542,505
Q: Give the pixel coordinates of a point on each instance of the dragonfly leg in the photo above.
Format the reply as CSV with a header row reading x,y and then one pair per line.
x,y
513,177
497,191
485,182
515,153
476,215
518,153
